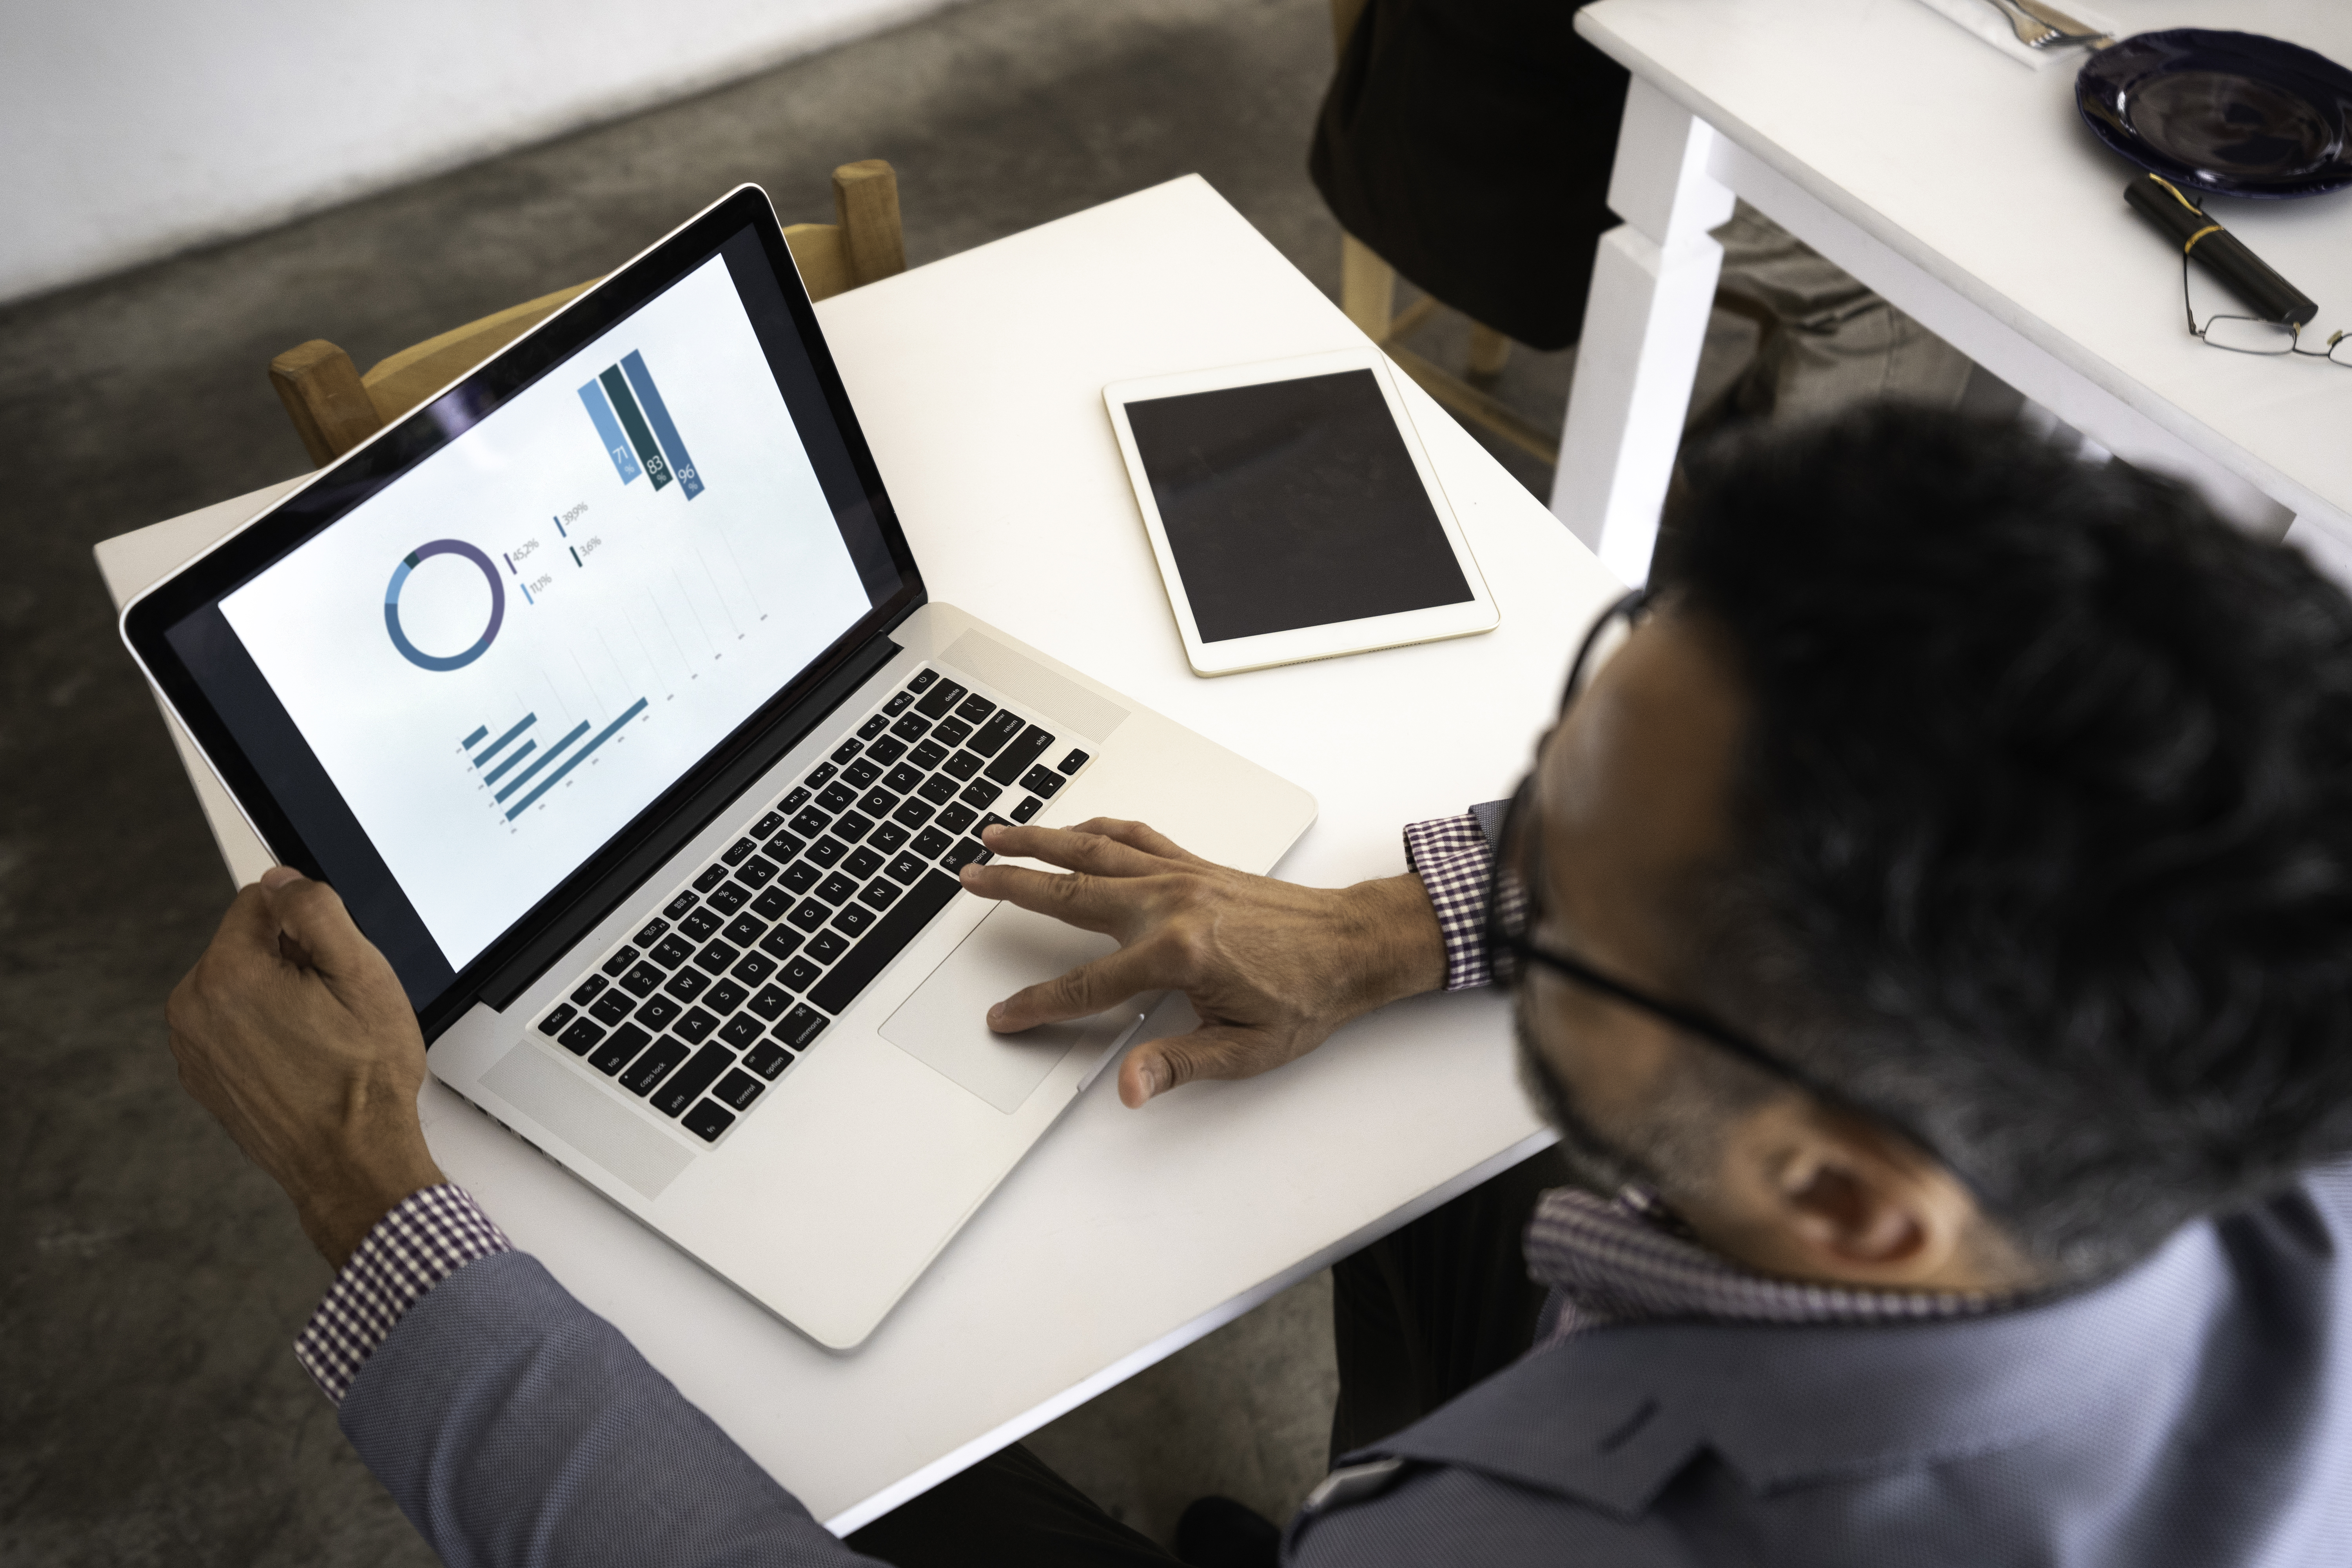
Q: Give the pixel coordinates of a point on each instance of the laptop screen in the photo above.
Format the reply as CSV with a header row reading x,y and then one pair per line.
x,y
498,659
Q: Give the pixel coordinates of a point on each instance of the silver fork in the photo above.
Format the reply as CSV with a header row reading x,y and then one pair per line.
x,y
2036,34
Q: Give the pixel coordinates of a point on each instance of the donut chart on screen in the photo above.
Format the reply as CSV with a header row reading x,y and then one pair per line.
x,y
409,562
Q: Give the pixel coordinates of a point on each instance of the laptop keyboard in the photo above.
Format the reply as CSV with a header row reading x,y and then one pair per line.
x,y
703,1010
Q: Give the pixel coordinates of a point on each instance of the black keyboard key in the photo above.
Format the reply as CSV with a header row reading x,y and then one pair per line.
x,y
854,919
687,985
885,838
738,1089
820,775
1015,759
951,731
578,1038
642,980
995,732
1030,806
799,877
620,962
715,957
674,951
931,842
835,889
654,1066
982,793
846,749
835,797
890,936
960,766
754,968
912,813
725,997
652,933
783,847
967,852
795,798
810,915
771,904
693,1025
613,1008
922,681
873,726
589,989
852,828
742,1030
656,1013
745,930
906,868
826,850
861,773
881,892
685,1086
729,897
770,1003
1043,780
886,750
711,877
757,872
767,825
679,905
939,699
553,1023
1072,763
708,1120
827,945
801,1026
735,852
974,709
799,975
898,705
941,786
902,778
781,943
811,821
614,1054
767,1058
697,927
877,802
863,862
928,757
910,726
956,818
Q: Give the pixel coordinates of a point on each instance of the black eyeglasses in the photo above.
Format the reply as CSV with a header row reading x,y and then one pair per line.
x,y
2253,335
1512,914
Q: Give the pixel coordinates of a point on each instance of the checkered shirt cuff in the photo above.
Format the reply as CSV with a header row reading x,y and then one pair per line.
x,y
1454,861
432,1235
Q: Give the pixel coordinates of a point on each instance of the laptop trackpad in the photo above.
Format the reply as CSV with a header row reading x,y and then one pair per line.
x,y
945,1023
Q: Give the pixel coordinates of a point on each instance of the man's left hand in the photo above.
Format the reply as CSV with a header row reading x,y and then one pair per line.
x,y
293,1030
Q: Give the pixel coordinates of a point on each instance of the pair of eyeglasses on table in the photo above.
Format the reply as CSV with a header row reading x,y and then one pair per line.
x,y
2253,335
1514,909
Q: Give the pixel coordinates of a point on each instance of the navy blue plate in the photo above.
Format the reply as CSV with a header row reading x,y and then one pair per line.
x,y
2235,114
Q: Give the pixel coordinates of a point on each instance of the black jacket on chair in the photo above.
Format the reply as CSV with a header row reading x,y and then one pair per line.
x,y
1469,143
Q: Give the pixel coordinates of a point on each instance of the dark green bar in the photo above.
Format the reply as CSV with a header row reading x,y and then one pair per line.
x,y
632,420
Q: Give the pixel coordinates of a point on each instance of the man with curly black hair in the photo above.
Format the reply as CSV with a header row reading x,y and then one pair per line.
x,y
1931,926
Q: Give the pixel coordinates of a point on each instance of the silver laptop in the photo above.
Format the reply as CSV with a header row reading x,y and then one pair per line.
x,y
605,690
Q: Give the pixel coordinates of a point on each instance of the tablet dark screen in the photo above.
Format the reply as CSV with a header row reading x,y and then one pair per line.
x,y
1292,503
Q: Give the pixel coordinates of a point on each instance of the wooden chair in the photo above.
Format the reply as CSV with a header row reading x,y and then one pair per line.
x,y
334,408
1368,294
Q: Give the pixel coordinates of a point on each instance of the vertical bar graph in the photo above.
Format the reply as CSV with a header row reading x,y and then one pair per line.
x,y
470,742
641,380
625,403
499,744
570,762
608,429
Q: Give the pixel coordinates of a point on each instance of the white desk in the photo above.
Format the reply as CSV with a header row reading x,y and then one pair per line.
x,y
1962,185
1126,1234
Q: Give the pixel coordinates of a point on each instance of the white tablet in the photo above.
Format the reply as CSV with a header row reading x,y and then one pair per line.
x,y
1294,514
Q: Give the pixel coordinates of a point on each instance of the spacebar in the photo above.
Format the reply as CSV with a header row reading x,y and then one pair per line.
x,y
893,932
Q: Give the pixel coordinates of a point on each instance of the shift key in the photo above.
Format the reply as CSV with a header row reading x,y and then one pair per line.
x,y
685,1086
1015,759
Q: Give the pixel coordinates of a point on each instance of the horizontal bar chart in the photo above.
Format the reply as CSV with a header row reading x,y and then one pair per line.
x,y
573,761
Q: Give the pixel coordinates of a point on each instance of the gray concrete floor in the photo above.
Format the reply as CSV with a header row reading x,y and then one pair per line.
x,y
149,1409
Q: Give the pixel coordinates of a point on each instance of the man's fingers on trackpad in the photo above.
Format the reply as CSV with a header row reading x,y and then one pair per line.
x,y
1089,988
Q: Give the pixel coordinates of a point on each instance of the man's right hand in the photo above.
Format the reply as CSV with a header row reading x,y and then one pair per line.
x,y
1271,967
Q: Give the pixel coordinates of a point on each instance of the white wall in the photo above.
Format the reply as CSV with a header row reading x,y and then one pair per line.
x,y
129,129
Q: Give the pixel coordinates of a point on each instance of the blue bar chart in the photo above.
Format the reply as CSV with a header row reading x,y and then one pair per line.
x,y
540,769
633,421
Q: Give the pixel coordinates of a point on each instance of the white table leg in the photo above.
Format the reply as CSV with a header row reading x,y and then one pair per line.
x,y
1644,323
